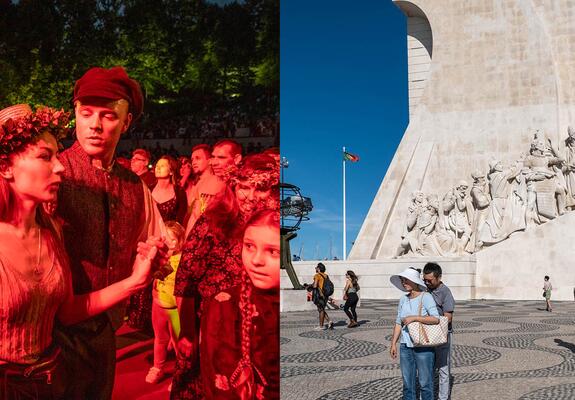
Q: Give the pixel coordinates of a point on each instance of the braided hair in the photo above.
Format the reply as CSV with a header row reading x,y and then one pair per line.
x,y
246,371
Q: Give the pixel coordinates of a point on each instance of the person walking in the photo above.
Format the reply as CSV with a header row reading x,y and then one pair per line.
x,y
319,298
351,298
414,361
547,293
445,305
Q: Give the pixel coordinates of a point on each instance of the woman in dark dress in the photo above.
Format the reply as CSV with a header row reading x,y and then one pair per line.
x,y
211,260
168,194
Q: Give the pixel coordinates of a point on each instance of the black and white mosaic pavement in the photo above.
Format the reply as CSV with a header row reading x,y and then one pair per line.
x,y
501,350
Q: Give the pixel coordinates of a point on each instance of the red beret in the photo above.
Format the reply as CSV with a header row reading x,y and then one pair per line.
x,y
113,84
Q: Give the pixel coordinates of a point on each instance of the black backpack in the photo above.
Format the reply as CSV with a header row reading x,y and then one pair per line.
x,y
327,286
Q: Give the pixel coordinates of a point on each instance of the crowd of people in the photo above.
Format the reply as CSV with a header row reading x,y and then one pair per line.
x,y
227,121
83,231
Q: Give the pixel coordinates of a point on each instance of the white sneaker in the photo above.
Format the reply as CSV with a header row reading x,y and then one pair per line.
x,y
320,328
154,375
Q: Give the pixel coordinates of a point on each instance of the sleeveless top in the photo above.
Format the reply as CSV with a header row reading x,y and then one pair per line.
x,y
168,209
176,208
27,312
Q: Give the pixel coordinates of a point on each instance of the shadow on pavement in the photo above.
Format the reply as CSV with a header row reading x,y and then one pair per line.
x,y
567,345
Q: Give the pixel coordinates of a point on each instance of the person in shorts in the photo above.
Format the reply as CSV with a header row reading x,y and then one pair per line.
x,y
318,297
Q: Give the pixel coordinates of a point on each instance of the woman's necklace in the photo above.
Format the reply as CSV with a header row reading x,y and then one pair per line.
x,y
37,270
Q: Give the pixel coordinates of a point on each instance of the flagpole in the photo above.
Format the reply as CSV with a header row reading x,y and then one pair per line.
x,y
344,238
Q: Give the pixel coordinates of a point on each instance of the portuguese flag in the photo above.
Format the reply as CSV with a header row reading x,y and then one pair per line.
x,y
350,157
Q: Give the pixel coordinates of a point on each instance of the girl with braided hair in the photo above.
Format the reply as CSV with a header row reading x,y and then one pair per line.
x,y
240,359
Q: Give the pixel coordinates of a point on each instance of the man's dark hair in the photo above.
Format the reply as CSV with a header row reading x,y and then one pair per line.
x,y
432,268
143,152
321,267
206,148
235,147
546,278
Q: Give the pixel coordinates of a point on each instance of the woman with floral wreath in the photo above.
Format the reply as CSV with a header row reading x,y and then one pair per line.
x,y
211,260
35,280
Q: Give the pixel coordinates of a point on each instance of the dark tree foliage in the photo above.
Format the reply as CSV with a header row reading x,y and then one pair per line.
x,y
182,51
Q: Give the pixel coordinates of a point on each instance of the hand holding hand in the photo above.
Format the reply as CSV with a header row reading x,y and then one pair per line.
x,y
141,271
160,264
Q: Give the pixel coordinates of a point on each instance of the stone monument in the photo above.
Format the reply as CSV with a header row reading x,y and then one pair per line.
x,y
485,171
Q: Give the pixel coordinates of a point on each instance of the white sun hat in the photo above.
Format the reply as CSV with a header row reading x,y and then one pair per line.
x,y
411,274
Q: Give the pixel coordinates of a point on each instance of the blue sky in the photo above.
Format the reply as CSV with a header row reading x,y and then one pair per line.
x,y
343,83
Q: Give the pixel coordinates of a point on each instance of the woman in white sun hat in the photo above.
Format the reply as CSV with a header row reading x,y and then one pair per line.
x,y
413,361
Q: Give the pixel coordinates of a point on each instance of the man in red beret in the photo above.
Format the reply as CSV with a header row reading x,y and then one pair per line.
x,y
105,210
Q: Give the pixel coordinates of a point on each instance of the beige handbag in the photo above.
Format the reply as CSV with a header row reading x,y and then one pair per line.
x,y
423,335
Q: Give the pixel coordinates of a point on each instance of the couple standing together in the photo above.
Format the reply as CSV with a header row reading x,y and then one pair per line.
x,y
425,301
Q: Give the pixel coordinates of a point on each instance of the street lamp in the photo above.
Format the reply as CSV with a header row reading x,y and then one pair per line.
x,y
284,163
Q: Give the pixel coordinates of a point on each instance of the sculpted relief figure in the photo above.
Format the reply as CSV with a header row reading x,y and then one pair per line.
x,y
569,167
545,181
410,236
441,241
508,207
480,200
459,207
425,232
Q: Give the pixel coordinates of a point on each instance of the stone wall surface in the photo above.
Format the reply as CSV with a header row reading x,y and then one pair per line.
x,y
515,269
499,71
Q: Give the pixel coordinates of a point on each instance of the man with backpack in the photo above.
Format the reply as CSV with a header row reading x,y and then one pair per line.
x,y
322,289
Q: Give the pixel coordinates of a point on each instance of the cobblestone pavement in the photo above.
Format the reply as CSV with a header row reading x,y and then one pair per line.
x,y
501,350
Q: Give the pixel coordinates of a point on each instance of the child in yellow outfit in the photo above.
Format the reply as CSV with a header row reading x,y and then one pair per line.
x,y
165,319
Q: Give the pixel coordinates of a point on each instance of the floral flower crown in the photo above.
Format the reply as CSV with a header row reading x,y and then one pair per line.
x,y
263,174
17,133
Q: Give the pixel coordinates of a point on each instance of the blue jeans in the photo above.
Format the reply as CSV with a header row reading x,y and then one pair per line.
x,y
417,362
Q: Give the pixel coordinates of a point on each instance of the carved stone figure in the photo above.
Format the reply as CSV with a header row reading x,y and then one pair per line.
x,y
441,241
458,204
569,167
480,199
508,203
410,236
549,192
